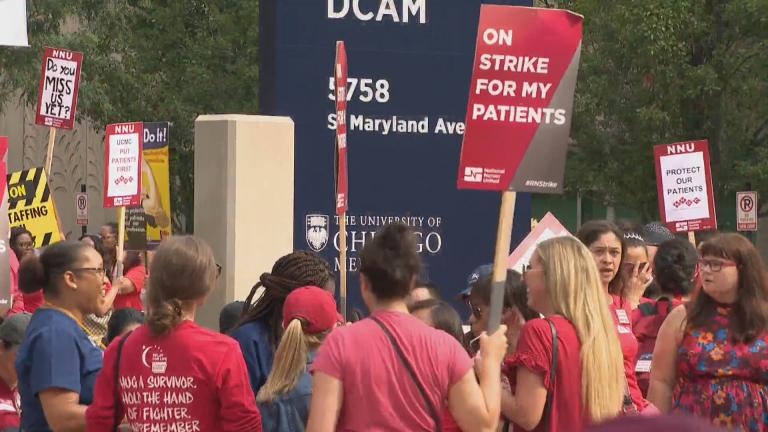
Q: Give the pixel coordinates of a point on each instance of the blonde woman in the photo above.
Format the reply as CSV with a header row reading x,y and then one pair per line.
x,y
587,384
309,313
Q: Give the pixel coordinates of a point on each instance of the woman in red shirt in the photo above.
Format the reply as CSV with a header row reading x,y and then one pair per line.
x,y
129,285
587,384
605,241
172,373
676,270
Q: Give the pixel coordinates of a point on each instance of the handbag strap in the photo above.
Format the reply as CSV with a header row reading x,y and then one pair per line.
x,y
552,370
120,344
411,372
628,406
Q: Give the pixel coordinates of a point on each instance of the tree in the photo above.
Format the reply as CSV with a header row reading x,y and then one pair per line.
x,y
663,71
656,71
149,60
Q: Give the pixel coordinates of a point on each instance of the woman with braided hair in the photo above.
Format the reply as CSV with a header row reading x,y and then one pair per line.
x,y
261,326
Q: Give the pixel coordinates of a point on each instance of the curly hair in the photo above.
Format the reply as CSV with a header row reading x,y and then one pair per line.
x,y
295,270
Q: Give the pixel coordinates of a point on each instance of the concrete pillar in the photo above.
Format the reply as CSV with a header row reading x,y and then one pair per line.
x,y
243,199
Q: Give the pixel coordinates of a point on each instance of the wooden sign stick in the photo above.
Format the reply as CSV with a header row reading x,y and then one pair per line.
x,y
48,167
120,242
343,264
503,242
49,152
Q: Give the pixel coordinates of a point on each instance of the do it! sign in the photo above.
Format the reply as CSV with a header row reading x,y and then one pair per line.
x,y
684,180
122,162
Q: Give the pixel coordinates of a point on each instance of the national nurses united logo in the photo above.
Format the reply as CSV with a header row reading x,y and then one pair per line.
x,y
317,231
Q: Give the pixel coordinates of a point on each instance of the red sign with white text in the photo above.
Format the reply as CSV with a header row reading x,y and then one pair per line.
x,y
340,77
521,99
684,181
5,281
57,89
122,164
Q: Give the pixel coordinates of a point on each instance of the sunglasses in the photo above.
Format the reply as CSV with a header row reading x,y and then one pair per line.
x,y
529,269
476,311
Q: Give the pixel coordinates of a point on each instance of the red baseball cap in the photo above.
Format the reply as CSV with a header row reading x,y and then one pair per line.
x,y
314,306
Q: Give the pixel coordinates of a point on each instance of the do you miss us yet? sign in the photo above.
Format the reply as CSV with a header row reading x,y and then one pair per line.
x,y
57,92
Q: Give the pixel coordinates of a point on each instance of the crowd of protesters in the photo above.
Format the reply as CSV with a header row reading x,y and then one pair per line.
x,y
618,328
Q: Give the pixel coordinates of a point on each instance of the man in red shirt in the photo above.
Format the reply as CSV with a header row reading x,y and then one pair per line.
x,y
12,332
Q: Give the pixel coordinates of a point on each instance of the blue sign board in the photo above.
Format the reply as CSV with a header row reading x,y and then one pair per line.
x,y
410,63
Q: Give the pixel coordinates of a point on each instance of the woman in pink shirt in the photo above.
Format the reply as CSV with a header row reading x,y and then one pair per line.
x,y
171,373
393,372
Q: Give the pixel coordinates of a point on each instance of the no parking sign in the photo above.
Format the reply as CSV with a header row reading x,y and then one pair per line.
x,y
746,211
81,208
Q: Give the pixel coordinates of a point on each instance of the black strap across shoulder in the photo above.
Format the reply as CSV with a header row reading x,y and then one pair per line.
x,y
432,411
552,370
648,308
120,344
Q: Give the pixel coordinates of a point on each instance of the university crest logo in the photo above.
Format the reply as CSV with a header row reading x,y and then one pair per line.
x,y
317,231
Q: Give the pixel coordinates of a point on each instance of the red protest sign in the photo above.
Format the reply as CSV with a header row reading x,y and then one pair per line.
x,y
5,282
4,173
57,89
521,99
684,181
122,164
340,77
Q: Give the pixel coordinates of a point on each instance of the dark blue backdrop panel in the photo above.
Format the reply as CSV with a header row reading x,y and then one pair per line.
x,y
421,71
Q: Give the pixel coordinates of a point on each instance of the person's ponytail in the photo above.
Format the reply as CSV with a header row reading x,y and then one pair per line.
x,y
31,275
164,316
183,272
290,361
43,271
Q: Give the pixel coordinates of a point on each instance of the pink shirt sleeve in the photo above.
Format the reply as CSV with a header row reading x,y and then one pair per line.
x,y
238,406
460,362
328,359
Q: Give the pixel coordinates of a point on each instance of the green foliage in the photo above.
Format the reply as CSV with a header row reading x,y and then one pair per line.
x,y
652,71
149,61
661,71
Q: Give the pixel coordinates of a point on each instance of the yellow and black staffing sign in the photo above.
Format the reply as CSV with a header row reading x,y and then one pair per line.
x,y
30,205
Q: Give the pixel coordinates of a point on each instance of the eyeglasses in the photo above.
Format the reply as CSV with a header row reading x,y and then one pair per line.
x,y
715,265
98,270
218,270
